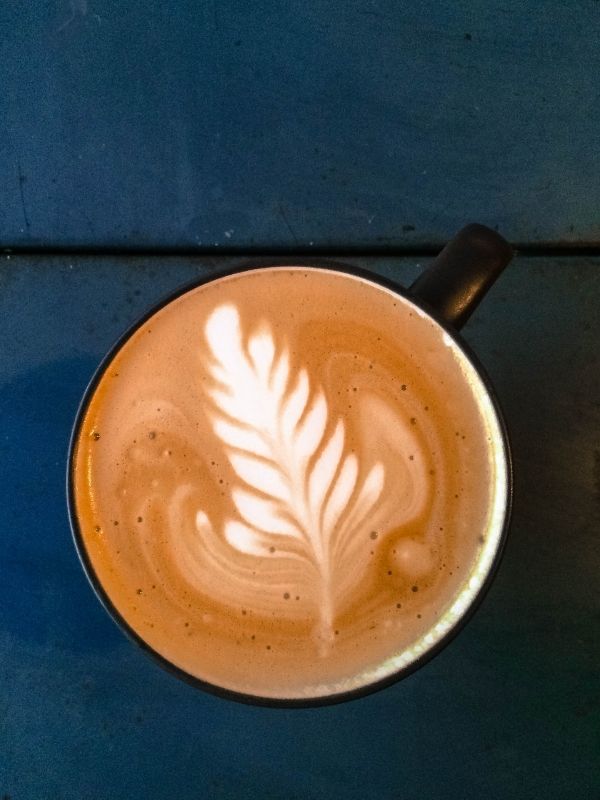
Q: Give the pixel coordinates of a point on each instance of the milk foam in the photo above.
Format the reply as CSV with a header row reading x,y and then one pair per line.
x,y
297,491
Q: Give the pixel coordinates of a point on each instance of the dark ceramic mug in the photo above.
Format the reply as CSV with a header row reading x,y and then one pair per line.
x,y
447,292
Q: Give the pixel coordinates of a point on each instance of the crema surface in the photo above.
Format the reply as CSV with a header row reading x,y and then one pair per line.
x,y
286,480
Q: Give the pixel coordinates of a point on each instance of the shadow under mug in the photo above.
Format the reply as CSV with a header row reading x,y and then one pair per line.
x,y
448,291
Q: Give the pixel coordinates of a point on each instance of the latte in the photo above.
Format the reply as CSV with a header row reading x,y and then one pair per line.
x,y
289,482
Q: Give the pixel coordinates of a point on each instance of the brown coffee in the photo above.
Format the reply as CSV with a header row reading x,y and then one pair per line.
x,y
290,482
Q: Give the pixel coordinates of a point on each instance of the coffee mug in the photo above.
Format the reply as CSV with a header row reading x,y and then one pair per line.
x,y
291,484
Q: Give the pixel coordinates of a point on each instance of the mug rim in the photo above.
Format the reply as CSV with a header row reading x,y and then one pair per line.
x,y
103,596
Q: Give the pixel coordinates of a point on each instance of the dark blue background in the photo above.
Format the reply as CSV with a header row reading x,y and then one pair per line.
x,y
203,123
379,126
508,710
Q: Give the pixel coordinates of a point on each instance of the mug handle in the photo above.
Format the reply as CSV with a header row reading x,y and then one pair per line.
x,y
458,278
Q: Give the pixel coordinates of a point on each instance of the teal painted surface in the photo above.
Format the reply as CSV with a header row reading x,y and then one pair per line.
x,y
359,124
509,710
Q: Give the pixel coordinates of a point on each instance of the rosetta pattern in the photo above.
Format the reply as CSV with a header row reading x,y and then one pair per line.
x,y
300,495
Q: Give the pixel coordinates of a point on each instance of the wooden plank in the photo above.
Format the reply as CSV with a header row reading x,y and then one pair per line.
x,y
229,124
509,709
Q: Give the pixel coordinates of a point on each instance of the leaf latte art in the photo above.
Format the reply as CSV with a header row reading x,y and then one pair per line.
x,y
283,480
302,496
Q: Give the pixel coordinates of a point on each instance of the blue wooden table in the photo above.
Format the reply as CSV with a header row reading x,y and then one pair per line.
x,y
145,143
225,123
